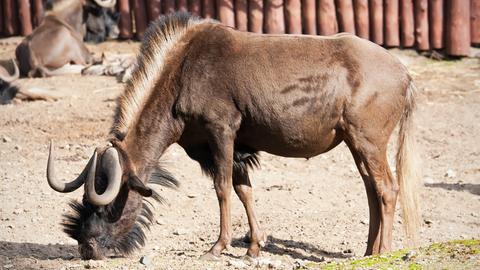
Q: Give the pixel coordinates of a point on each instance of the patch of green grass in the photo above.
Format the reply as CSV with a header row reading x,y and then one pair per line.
x,y
457,254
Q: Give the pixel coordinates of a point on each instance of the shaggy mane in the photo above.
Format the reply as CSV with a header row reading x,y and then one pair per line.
x,y
161,36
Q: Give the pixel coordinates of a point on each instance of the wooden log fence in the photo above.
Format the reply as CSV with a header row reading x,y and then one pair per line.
x,y
448,25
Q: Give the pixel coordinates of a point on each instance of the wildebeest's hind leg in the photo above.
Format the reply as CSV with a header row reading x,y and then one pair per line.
x,y
243,188
382,190
373,205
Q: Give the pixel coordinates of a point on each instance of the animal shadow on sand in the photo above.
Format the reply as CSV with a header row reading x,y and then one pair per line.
x,y
38,251
291,248
472,188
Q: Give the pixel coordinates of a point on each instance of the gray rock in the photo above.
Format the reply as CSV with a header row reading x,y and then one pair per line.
x,y
146,260
409,255
450,173
180,232
91,264
6,139
68,256
238,264
299,264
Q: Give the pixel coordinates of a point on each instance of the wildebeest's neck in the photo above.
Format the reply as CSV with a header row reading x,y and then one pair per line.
x,y
144,120
161,44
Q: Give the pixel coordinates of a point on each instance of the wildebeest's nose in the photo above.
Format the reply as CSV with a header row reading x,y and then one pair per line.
x,y
90,251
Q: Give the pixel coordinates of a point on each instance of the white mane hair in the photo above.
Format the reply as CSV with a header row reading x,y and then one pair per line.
x,y
160,38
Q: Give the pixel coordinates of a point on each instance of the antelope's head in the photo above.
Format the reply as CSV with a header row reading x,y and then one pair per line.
x,y
112,215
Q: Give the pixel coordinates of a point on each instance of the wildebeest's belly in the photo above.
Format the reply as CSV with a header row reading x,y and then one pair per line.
x,y
292,134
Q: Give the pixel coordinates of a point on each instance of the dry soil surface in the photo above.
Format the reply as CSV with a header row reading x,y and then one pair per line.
x,y
313,210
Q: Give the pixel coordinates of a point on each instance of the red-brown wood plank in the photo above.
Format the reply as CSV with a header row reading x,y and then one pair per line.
x,y
153,9
226,14
293,16
346,21
407,23
326,18
274,20
309,17
475,22
457,41
376,21
392,27
208,9
255,16
421,25
241,15
435,17
360,8
140,18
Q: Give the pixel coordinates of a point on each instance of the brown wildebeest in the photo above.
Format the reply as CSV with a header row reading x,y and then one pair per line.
x,y
58,41
224,95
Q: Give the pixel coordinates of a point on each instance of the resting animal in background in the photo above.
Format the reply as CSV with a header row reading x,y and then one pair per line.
x,y
223,95
10,91
58,41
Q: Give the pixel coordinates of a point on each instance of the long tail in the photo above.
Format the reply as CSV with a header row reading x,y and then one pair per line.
x,y
408,169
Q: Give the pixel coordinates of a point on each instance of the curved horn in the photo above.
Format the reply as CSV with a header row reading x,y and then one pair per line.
x,y
106,3
10,78
113,171
57,185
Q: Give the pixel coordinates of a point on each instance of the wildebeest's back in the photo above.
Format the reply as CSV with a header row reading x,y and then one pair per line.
x,y
291,90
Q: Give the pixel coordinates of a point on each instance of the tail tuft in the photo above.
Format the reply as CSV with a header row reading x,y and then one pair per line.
x,y
408,169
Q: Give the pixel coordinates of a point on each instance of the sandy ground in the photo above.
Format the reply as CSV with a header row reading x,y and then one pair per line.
x,y
313,210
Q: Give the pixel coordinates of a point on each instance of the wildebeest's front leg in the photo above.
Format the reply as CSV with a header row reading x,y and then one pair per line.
x,y
243,188
221,144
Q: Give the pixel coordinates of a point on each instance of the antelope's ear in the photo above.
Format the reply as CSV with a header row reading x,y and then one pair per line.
x,y
136,184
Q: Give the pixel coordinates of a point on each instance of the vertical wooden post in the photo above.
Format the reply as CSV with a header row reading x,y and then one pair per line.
x,y
195,7
140,18
168,6
38,12
1,20
421,25
361,18
293,16
274,20
255,16
25,17
153,9
208,9
241,16
457,30
309,19
407,23
346,21
475,22
376,21
326,18
10,18
182,5
435,12
125,22
392,35
226,13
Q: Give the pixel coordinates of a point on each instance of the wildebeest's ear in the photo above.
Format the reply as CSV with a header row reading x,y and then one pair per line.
x,y
136,184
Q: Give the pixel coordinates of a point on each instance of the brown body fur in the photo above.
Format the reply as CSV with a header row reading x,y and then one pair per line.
x,y
224,95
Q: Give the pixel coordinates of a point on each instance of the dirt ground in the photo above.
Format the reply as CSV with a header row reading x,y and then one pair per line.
x,y
313,210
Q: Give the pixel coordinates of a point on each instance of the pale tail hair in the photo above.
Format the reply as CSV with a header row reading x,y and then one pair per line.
x,y
408,169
